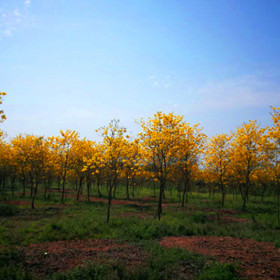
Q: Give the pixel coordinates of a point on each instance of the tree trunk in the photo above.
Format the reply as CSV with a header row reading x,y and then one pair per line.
x,y
223,194
80,187
245,198
23,186
63,188
98,188
278,201
34,194
115,188
31,186
13,184
161,190
109,202
88,189
58,183
127,188
184,194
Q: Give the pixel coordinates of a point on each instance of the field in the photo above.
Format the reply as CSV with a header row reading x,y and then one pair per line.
x,y
200,241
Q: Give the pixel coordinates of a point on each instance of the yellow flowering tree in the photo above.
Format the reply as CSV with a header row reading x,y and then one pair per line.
x,y
131,165
62,154
160,139
248,155
190,149
114,144
2,115
217,162
274,134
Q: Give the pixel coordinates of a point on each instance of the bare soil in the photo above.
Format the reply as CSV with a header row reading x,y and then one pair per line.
x,y
59,256
16,202
257,260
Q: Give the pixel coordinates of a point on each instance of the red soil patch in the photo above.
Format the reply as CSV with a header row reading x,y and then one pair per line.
x,y
141,215
116,202
44,258
170,204
60,190
228,219
148,198
258,260
220,211
16,202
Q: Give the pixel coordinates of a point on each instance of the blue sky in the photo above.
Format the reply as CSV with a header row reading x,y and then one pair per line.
x,y
79,64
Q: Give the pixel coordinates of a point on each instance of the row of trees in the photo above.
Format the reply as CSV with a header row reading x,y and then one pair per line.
x,y
167,150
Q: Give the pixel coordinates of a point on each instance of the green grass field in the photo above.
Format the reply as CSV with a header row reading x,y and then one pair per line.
x,y
136,224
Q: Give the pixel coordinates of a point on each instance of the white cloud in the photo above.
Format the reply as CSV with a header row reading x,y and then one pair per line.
x,y
246,91
7,33
27,3
17,13
160,82
156,83
12,20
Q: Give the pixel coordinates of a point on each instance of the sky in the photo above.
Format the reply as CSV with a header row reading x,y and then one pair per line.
x,y
77,64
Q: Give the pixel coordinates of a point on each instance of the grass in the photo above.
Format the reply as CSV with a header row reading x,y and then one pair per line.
x,y
161,265
20,226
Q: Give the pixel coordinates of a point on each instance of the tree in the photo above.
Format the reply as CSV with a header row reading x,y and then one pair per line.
x,y
2,115
160,138
114,143
81,149
131,164
248,146
190,147
62,154
274,134
31,155
217,161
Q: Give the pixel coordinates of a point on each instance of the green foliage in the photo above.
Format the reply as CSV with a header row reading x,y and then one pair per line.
x,y
14,273
214,271
11,267
90,272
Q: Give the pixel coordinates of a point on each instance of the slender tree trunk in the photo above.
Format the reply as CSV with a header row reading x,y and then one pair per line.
x,y
80,187
109,202
127,188
133,189
34,194
13,184
163,194
58,183
278,200
223,194
184,193
115,188
245,198
46,190
63,188
23,186
98,187
31,185
88,189
3,188
161,190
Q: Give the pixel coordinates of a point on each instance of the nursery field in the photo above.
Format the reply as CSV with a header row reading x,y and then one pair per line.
x,y
199,241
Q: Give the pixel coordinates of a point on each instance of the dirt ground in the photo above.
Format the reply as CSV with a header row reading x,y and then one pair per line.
x,y
16,202
257,260
50,257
